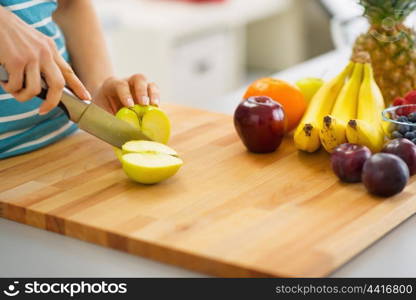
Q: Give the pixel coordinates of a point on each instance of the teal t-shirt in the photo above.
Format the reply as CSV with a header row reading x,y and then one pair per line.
x,y
21,128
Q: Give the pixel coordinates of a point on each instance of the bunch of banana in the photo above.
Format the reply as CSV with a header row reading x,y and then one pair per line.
x,y
333,131
306,135
367,129
347,108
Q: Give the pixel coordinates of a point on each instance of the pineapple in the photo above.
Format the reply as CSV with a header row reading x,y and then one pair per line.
x,y
391,45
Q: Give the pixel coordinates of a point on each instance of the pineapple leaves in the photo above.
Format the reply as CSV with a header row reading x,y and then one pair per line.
x,y
379,10
391,44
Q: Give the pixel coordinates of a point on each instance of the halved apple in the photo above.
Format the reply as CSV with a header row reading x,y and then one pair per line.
x,y
119,153
147,147
155,124
129,116
139,110
149,162
152,121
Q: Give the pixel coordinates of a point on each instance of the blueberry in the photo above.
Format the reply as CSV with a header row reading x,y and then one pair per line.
x,y
410,135
403,119
396,135
412,117
403,128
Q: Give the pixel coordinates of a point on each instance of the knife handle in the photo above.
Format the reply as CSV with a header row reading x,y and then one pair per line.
x,y
72,106
43,93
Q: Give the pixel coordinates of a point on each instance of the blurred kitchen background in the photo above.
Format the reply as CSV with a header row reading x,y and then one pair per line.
x,y
197,50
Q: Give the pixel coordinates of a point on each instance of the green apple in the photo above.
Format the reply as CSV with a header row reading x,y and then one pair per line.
x,y
149,162
147,147
155,124
129,116
139,110
118,152
151,120
309,87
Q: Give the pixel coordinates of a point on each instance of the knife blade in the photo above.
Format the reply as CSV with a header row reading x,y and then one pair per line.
x,y
92,118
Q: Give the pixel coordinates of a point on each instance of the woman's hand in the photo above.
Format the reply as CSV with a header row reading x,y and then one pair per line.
x,y
115,93
27,54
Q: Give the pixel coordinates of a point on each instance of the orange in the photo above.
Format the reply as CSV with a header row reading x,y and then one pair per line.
x,y
288,95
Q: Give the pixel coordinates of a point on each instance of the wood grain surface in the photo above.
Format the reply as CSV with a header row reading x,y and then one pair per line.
x,y
227,212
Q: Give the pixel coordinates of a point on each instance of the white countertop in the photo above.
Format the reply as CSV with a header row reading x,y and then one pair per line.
x,y
27,251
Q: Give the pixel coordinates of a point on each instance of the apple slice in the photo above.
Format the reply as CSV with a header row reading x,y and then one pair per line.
x,y
147,147
148,162
119,153
155,124
129,116
150,168
151,120
139,110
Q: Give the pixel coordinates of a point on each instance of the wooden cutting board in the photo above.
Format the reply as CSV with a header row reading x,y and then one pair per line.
x,y
227,212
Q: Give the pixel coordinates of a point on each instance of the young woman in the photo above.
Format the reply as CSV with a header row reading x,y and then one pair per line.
x,y
60,40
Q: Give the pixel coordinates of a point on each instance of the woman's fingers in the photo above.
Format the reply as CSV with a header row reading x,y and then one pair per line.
x,y
16,77
139,85
32,86
123,93
113,105
55,82
115,93
154,94
71,79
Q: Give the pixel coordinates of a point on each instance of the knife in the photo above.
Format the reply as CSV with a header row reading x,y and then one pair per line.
x,y
91,118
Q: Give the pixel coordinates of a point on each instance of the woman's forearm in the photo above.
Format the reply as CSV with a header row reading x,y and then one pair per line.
x,y
85,42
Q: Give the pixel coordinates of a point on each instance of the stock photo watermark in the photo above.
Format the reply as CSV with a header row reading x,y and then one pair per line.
x,y
61,288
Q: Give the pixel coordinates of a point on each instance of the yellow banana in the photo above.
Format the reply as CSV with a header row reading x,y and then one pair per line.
x,y
306,136
333,131
367,128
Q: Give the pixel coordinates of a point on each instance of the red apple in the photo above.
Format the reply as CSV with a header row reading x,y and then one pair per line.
x,y
347,161
260,122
